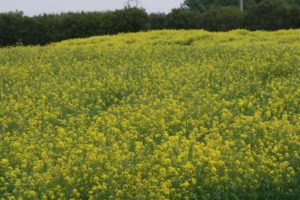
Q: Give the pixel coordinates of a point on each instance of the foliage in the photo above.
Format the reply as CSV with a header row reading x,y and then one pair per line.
x,y
222,18
272,15
217,15
129,20
157,21
10,23
14,27
157,115
203,5
183,18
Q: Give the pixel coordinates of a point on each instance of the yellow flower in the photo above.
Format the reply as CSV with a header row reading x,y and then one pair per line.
x,y
99,118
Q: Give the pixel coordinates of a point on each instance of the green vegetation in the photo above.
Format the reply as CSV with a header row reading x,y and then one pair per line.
x,y
217,15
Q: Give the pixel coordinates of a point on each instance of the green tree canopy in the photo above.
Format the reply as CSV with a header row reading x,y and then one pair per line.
x,y
203,5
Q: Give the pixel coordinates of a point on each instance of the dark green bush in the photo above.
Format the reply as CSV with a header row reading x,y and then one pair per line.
x,y
157,21
222,18
16,28
268,14
215,15
183,18
11,31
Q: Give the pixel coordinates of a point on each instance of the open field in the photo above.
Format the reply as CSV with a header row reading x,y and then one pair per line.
x,y
157,115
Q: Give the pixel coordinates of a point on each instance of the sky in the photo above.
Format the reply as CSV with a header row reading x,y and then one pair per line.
x,y
35,7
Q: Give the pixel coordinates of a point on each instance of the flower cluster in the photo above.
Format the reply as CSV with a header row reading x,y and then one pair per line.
x,y
157,115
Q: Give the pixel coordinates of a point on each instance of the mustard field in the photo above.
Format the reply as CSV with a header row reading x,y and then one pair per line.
x,y
156,115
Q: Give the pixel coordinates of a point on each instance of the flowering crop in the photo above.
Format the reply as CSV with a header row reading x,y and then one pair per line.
x,y
157,115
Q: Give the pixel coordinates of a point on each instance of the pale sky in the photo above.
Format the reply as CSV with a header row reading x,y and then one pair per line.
x,y
35,7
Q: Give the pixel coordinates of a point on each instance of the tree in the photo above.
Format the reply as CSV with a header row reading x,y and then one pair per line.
x,y
222,18
130,19
202,5
11,26
157,20
183,18
268,15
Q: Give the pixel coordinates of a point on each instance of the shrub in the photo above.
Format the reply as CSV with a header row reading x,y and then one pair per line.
x,y
222,18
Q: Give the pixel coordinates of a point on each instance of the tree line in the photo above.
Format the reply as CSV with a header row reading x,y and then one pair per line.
x,y
212,15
